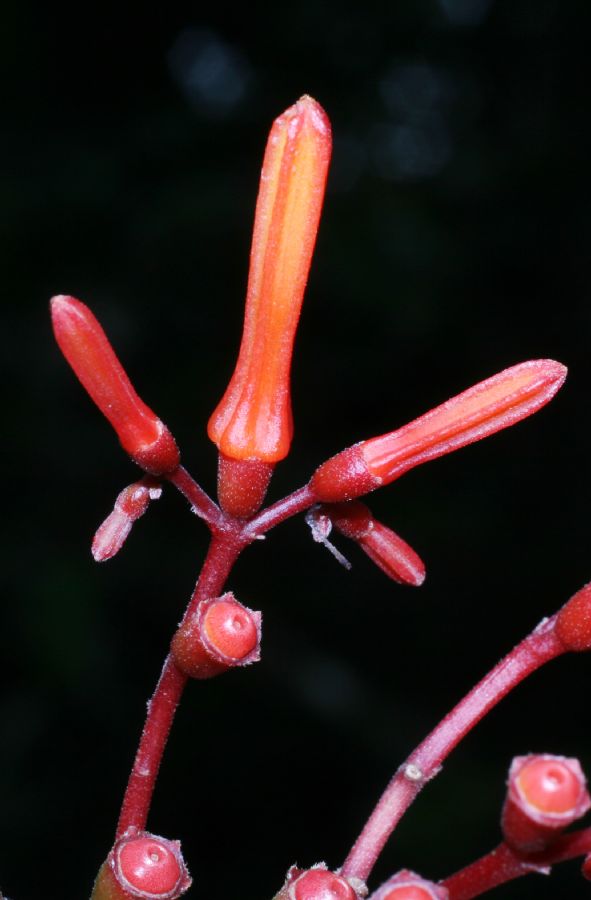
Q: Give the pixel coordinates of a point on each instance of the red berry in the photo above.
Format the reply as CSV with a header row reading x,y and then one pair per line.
x,y
230,628
145,865
320,884
407,885
549,785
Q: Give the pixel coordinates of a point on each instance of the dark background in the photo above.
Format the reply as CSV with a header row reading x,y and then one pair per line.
x,y
454,243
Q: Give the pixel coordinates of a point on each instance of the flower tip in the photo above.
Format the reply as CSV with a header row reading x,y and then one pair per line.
x,y
573,623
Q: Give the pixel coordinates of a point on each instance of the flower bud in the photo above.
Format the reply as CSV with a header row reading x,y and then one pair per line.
x,y
383,546
143,866
480,411
407,885
573,623
545,793
253,421
130,505
87,349
220,634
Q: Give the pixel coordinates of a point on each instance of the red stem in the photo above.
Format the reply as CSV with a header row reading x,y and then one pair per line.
x,y
230,536
201,503
284,509
425,762
223,552
502,865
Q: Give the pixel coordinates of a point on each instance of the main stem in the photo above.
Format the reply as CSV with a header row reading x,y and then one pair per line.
x,y
424,763
229,537
222,554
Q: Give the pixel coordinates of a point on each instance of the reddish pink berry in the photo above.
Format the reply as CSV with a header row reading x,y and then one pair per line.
x,y
586,867
88,351
150,865
142,866
320,884
407,885
220,634
545,793
573,624
230,628
480,411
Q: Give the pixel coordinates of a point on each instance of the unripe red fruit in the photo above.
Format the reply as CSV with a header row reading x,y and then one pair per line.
x,y
149,865
573,623
408,892
545,793
220,634
142,866
320,884
230,629
407,885
549,785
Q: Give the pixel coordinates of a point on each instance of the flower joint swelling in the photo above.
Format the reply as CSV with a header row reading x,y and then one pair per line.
x,y
480,411
87,349
545,794
252,425
219,635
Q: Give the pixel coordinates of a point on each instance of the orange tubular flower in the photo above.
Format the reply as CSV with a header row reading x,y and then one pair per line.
x,y
87,349
253,421
480,411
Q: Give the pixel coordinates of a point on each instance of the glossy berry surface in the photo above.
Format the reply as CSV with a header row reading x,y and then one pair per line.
x,y
319,884
149,865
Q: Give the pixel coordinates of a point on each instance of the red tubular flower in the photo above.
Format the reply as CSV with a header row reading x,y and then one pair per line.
x,y
87,349
406,885
143,866
130,505
383,546
221,634
253,421
573,624
545,793
480,411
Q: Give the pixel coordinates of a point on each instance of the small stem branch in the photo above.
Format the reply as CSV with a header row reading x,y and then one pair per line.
x,y
284,509
201,503
425,762
222,554
502,865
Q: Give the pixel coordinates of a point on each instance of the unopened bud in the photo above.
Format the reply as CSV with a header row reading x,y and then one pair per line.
x,y
384,547
130,505
573,623
253,421
480,411
87,349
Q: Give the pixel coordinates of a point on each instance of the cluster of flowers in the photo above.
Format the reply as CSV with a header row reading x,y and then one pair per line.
x,y
252,429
